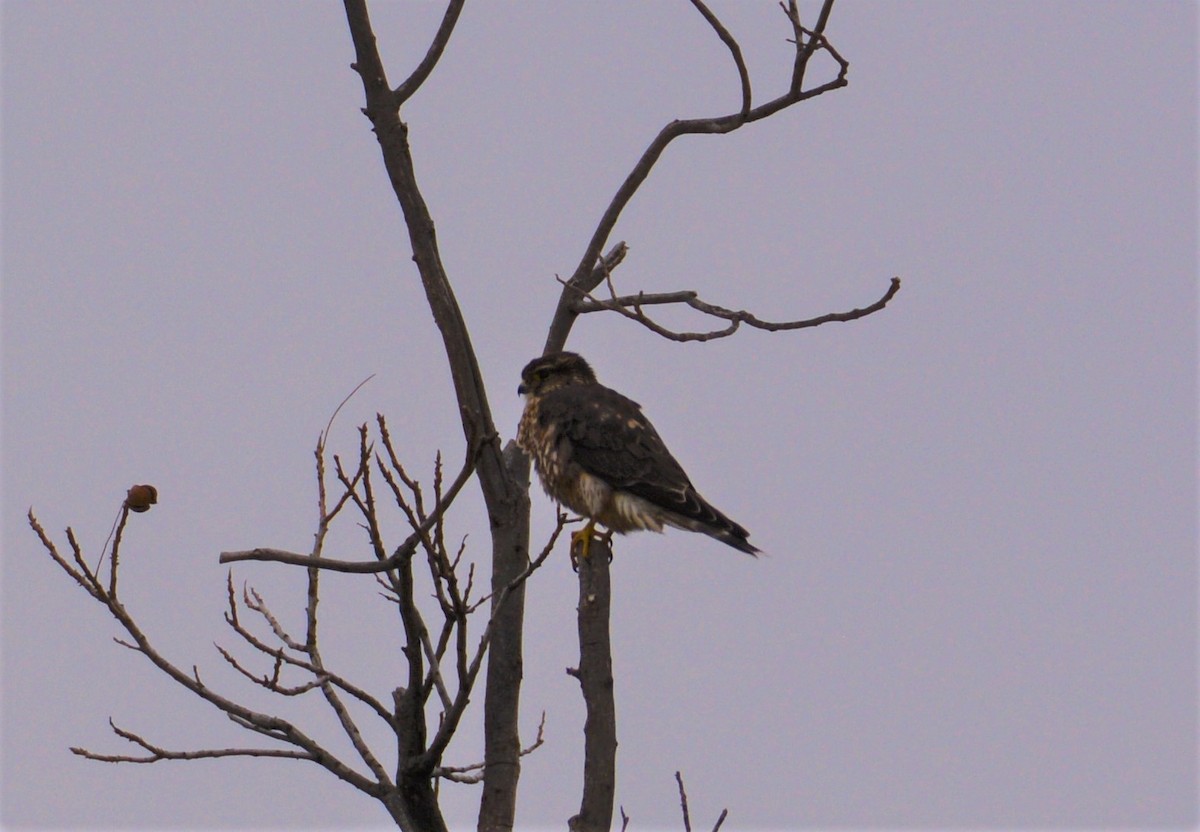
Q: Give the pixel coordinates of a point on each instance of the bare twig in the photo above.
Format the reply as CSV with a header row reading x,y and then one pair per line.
x,y
630,306
255,602
158,753
587,275
683,803
474,773
403,551
296,661
436,47
83,577
271,682
734,49
561,523
454,714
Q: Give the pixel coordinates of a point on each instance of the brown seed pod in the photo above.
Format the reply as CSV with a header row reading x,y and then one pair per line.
x,y
141,497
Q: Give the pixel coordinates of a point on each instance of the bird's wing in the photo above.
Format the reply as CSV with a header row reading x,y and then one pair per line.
x,y
611,439
607,435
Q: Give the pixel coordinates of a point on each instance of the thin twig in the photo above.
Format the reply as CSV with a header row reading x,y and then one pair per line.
x,y
432,55
630,306
158,753
403,551
734,49
683,803
463,774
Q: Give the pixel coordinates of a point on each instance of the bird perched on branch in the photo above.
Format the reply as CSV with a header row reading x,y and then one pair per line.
x,y
599,456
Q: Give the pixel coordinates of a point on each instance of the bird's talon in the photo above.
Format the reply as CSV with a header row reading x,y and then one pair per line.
x,y
581,544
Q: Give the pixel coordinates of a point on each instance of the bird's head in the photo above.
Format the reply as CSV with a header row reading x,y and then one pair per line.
x,y
554,370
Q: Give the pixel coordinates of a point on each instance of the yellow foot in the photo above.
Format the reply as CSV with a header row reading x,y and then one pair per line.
x,y
581,543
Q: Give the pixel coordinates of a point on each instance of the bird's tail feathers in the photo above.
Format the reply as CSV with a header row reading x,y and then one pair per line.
x,y
710,521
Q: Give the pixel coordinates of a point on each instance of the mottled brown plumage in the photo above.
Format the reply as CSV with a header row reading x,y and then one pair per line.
x,y
598,455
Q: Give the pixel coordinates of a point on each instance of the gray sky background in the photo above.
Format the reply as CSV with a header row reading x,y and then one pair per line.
x,y
979,605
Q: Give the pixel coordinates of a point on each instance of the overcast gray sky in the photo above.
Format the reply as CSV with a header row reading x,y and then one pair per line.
x,y
979,604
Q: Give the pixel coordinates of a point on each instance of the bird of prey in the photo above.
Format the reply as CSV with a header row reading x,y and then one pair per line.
x,y
599,456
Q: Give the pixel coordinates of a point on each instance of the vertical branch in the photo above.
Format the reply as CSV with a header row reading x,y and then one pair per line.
x,y
502,699
596,680
507,503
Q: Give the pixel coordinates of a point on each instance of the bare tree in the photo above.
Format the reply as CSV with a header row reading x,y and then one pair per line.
x,y
444,659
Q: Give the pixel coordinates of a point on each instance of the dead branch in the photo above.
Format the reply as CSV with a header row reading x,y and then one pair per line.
x,y
683,805
432,56
734,50
82,576
500,481
473,773
157,753
807,44
322,672
272,682
596,683
402,552
255,602
453,715
630,306
304,747
560,524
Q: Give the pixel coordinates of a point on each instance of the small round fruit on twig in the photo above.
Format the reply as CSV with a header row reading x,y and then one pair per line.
x,y
141,497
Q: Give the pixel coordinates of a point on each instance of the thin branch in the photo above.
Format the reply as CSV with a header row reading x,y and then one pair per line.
x,y
77,555
435,670
816,40
713,125
403,551
582,283
116,551
414,81
322,672
271,682
464,774
265,724
82,577
734,49
561,523
255,602
630,306
683,803
454,714
158,753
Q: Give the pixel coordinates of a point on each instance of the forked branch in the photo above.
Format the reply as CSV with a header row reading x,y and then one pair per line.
x,y
687,816
807,44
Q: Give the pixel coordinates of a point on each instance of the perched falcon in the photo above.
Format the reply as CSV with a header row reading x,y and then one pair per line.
x,y
600,457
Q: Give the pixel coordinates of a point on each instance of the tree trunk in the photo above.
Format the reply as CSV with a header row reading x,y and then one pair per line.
x,y
596,679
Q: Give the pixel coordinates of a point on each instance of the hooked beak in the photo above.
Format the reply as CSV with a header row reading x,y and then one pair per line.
x,y
522,389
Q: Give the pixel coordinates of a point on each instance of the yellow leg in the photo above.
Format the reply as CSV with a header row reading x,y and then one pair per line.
x,y
582,541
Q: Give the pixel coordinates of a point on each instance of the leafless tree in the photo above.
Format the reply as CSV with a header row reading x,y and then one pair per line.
x,y
444,661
